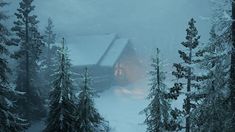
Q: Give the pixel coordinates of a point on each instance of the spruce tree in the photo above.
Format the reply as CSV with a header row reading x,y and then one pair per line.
x,y
30,43
157,112
213,112
223,16
48,58
88,119
49,38
187,80
9,121
62,108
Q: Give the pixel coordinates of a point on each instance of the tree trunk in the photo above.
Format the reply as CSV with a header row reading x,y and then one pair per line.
x,y
232,72
158,88
27,56
188,104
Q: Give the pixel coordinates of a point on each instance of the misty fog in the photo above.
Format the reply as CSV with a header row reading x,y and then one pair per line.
x,y
148,24
112,44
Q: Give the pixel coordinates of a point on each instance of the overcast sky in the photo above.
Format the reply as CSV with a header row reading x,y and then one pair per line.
x,y
147,23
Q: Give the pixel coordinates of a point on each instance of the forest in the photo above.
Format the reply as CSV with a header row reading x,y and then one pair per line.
x,y
43,90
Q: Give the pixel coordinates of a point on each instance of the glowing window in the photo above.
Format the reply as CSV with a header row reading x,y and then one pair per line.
x,y
118,70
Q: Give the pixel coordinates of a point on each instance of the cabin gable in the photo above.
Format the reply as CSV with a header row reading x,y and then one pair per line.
x,y
117,65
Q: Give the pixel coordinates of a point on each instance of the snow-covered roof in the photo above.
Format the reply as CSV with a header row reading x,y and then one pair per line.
x,y
87,50
102,50
114,52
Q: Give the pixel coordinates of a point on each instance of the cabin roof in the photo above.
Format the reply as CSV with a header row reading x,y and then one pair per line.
x,y
87,50
103,50
114,52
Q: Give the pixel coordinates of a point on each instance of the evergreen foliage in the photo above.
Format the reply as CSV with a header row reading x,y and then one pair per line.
x,y
88,119
223,16
188,82
214,111
30,43
9,121
49,38
157,112
48,57
62,107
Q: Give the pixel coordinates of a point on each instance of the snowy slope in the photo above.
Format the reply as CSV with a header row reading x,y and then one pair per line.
x,y
121,107
36,126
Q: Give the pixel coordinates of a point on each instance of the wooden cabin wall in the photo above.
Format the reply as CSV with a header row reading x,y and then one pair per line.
x,y
132,67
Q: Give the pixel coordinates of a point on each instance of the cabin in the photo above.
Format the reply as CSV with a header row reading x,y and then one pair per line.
x,y
111,60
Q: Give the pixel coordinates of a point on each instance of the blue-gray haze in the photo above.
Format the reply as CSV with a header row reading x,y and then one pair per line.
x,y
147,23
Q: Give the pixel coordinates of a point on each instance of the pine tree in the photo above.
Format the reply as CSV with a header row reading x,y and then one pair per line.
x,y
9,121
157,112
88,119
185,72
30,43
213,111
62,107
48,58
221,19
49,38
223,16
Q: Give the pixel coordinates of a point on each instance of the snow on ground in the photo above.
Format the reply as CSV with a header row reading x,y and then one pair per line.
x,y
36,126
121,107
